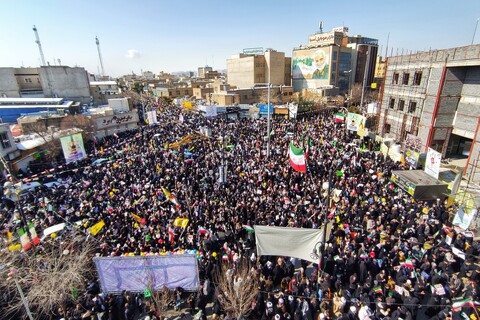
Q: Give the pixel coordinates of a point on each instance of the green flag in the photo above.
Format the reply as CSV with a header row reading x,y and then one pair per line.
x,y
272,132
147,293
339,173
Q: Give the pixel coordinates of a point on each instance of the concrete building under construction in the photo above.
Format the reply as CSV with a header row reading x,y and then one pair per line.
x,y
435,97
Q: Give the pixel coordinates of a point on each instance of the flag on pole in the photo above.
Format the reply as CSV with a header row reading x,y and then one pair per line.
x,y
339,117
169,196
468,302
377,289
297,158
24,239
97,227
408,263
181,222
33,233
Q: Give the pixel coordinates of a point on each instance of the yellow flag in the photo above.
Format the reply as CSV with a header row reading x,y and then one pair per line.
x,y
181,222
101,149
136,217
97,227
159,170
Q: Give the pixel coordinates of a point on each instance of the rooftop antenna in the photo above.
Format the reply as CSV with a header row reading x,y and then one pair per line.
x,y
42,57
100,55
321,26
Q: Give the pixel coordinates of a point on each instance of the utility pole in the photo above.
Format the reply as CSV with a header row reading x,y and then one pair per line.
x,y
268,121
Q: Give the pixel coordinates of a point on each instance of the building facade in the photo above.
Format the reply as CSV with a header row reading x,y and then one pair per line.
x,y
246,70
435,97
45,82
332,62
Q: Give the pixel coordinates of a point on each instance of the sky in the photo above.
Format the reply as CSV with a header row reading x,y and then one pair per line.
x,y
160,35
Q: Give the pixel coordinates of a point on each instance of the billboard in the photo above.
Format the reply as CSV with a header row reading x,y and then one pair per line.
x,y
137,273
257,50
432,163
264,109
312,64
325,39
413,142
72,146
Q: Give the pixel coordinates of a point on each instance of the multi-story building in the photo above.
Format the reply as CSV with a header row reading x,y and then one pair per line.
x,y
101,91
435,97
244,70
202,71
45,82
332,62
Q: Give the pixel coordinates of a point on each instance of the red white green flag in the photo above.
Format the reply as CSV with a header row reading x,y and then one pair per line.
x,y
339,117
408,263
24,239
33,233
297,158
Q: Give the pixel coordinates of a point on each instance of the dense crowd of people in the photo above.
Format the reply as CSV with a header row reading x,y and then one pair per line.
x,y
387,257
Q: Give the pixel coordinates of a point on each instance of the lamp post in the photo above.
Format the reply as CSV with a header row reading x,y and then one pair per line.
x,y
268,120
349,73
323,242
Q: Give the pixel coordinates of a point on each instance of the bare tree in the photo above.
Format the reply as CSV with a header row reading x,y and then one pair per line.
x,y
49,275
81,122
47,133
356,93
161,299
238,287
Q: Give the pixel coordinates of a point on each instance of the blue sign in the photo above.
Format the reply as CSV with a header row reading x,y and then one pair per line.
x,y
264,109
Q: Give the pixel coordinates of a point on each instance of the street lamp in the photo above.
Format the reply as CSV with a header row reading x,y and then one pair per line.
x,y
334,167
349,73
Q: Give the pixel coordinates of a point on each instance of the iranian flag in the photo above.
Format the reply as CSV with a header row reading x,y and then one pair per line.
x,y
33,233
408,263
464,303
297,158
377,289
24,239
339,117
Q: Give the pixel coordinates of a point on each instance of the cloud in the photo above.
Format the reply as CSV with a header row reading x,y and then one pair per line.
x,y
133,54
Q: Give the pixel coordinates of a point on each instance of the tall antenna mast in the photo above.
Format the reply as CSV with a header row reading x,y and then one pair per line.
x,y
321,26
100,55
39,46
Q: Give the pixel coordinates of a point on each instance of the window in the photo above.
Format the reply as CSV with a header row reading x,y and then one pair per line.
x,y
412,107
417,78
334,55
5,141
391,103
401,105
334,67
387,128
28,80
406,77
395,78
